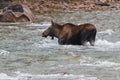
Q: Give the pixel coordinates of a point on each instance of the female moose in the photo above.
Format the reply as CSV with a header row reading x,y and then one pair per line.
x,y
72,34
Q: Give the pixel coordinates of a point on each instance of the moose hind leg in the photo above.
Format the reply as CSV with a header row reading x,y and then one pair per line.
x,y
83,37
84,43
92,38
92,42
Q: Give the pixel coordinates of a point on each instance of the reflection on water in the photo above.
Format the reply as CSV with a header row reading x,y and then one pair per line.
x,y
25,55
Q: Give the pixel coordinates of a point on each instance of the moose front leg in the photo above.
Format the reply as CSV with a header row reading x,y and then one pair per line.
x,y
63,39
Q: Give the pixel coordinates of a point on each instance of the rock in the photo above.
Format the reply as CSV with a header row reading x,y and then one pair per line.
x,y
4,3
16,13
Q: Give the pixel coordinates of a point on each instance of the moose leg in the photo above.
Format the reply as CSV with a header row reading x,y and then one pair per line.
x,y
63,39
92,42
83,43
92,37
83,37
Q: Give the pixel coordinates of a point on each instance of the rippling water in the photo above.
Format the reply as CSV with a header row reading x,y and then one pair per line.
x,y
25,55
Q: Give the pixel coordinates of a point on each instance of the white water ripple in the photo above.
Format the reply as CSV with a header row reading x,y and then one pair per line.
x,y
39,24
108,31
4,52
101,64
27,76
105,45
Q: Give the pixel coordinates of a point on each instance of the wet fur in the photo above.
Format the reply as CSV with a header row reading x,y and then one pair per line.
x,y
72,34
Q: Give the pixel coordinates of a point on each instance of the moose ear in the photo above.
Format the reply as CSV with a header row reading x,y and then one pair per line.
x,y
52,23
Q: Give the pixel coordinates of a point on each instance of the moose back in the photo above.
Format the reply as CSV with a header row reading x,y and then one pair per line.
x,y
72,34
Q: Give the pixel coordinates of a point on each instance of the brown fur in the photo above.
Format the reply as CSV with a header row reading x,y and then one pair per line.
x,y
72,34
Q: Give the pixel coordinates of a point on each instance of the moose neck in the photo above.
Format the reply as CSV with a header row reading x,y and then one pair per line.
x,y
57,30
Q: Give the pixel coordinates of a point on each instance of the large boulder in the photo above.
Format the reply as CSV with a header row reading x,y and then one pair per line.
x,y
4,3
16,13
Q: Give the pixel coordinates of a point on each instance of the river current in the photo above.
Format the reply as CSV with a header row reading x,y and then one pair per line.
x,y
26,55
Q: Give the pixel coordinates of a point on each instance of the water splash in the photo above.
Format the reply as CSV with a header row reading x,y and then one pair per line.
x,y
105,45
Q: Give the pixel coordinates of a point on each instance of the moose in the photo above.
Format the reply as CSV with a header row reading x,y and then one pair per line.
x,y
72,34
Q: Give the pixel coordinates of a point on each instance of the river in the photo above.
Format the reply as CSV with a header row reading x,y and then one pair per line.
x,y
26,55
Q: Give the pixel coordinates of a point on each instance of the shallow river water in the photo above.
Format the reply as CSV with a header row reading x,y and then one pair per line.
x,y
25,55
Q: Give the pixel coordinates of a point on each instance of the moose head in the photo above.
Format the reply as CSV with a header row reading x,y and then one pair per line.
x,y
52,31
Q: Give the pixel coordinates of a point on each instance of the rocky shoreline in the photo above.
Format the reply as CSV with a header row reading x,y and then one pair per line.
x,y
49,6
